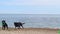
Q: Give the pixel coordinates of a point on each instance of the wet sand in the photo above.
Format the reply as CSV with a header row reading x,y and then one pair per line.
x,y
29,31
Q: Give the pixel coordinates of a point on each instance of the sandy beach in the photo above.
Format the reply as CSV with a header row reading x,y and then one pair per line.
x,y
29,31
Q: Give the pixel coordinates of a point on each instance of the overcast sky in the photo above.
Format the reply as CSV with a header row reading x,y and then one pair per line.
x,y
29,6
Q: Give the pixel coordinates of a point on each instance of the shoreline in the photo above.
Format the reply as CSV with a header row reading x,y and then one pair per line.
x,y
29,31
34,28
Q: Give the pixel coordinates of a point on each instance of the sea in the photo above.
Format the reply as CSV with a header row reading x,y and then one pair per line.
x,y
32,20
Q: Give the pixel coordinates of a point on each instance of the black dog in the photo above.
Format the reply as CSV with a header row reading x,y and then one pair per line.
x,y
18,24
4,25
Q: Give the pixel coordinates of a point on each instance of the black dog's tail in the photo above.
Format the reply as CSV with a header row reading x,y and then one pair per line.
x,y
23,23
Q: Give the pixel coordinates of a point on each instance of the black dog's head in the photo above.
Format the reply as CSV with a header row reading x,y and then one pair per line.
x,y
3,21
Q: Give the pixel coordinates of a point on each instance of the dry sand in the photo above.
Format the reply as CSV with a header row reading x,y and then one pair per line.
x,y
29,31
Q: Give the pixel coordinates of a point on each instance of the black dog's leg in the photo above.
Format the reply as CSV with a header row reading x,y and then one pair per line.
x,y
3,27
19,27
7,27
22,27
